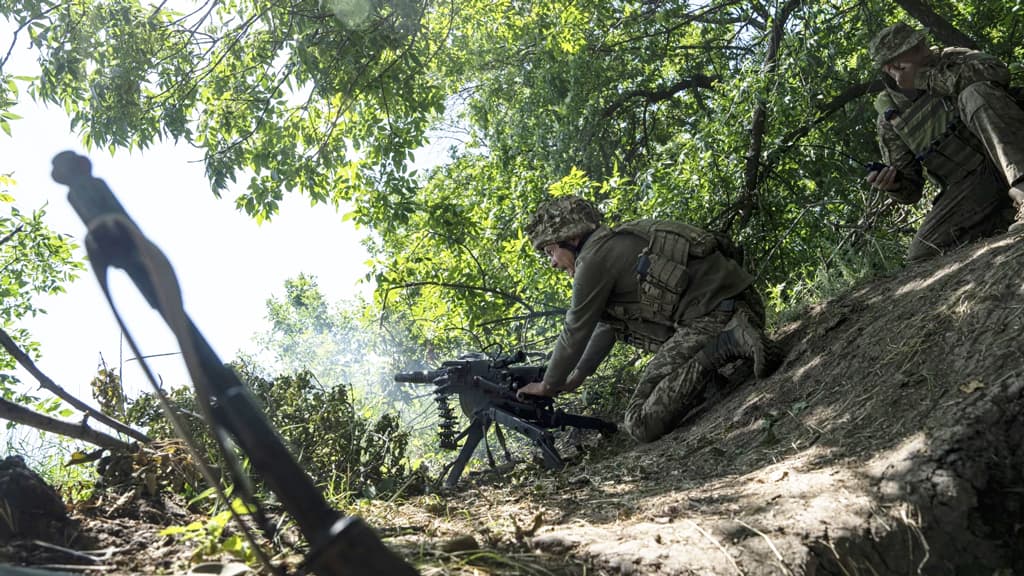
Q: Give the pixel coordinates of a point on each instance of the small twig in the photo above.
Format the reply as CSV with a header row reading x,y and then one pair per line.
x,y
524,533
68,567
770,545
67,551
717,545
105,553
7,238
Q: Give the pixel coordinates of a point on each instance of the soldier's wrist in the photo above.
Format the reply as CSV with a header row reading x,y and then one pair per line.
x,y
575,380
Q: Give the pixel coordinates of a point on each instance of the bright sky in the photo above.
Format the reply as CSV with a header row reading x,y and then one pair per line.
x,y
227,265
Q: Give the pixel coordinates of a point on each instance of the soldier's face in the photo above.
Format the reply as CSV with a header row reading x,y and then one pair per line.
x,y
903,67
561,258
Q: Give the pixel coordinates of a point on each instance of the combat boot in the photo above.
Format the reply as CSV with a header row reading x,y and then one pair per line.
x,y
742,340
1018,222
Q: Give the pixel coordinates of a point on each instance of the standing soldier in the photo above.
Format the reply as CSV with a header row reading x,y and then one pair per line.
x,y
662,286
948,112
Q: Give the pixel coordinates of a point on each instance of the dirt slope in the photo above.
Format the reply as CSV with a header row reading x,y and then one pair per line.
x,y
890,442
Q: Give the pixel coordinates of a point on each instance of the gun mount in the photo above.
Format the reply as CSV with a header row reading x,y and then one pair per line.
x,y
486,389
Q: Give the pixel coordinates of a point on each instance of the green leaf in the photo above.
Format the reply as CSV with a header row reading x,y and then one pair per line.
x,y
240,507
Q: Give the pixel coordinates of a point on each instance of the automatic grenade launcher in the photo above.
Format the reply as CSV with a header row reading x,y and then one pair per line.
x,y
486,388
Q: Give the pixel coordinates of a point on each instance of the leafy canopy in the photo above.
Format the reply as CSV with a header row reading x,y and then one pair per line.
x,y
752,118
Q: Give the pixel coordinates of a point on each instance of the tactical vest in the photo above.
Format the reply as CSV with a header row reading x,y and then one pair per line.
x,y
931,127
662,278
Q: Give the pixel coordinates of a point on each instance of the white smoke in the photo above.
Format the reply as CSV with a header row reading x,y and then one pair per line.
x,y
352,13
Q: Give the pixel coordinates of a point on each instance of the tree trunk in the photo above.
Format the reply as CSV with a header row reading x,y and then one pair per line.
x,y
759,123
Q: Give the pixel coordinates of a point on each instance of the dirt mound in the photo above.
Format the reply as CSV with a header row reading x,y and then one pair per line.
x,y
890,442
29,507
117,530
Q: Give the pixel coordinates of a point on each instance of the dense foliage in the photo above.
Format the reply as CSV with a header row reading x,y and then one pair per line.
x,y
34,261
753,118
345,450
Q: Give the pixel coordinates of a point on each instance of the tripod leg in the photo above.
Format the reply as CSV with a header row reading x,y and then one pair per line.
x,y
474,434
541,437
501,441
487,450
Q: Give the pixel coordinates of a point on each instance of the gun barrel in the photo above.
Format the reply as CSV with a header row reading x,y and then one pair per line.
x,y
421,377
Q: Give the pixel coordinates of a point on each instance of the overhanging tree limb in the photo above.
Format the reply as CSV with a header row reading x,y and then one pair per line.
x,y
651,96
939,26
21,415
791,138
22,358
456,285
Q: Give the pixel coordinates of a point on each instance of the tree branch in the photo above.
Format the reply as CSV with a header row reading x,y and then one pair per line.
x,y
21,415
12,348
939,26
657,95
7,238
759,124
502,293
522,317
791,138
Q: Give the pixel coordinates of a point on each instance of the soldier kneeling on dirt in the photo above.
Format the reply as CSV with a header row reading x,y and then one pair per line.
x,y
662,286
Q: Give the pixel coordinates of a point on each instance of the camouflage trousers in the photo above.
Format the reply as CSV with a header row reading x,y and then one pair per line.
x,y
973,208
978,206
673,382
993,115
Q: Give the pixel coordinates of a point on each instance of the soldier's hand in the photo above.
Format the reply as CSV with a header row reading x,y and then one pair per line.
x,y
884,179
535,389
903,73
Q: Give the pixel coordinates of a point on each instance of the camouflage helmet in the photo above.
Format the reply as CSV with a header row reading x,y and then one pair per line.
x,y
893,41
561,219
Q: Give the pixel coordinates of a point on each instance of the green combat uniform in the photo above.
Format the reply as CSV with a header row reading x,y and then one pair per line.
x,y
673,294
959,125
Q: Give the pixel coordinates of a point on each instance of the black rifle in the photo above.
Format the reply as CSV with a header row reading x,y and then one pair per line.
x,y
339,545
486,388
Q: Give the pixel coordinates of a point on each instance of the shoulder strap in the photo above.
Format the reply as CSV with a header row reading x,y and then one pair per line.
x,y
698,241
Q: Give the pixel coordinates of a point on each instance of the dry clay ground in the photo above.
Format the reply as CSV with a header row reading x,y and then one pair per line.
x,y
890,442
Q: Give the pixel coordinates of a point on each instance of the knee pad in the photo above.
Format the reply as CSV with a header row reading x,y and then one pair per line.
x,y
637,431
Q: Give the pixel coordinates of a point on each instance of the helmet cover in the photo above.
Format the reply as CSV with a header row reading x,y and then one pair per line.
x,y
893,41
561,219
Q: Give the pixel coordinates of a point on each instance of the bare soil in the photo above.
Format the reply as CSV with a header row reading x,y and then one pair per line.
x,y
890,442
